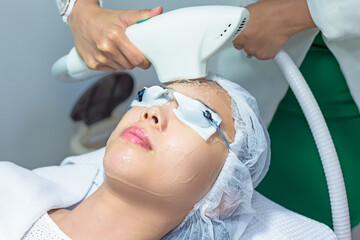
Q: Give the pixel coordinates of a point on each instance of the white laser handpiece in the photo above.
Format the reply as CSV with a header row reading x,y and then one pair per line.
x,y
178,43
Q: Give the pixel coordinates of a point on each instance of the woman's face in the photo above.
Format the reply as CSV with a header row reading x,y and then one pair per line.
x,y
153,151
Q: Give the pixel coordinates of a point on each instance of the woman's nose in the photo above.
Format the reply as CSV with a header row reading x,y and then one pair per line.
x,y
156,116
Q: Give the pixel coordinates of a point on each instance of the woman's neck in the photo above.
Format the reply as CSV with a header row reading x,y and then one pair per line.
x,y
106,214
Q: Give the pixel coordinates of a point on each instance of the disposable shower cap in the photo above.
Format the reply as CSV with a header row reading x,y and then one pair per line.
x,y
225,211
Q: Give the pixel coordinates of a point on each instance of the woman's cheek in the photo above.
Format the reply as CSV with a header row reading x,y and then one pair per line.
x,y
188,172
174,162
208,160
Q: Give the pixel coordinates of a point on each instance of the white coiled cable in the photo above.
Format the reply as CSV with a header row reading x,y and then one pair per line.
x,y
324,143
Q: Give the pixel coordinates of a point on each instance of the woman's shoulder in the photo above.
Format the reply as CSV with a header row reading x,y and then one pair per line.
x,y
27,194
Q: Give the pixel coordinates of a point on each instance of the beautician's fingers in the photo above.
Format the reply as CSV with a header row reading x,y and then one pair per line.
x,y
100,39
239,43
101,61
271,24
134,56
106,68
114,58
132,17
131,56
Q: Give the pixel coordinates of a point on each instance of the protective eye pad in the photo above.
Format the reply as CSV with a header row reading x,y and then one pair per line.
x,y
153,96
191,113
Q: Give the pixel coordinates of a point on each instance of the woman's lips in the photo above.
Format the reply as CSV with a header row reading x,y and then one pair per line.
x,y
138,136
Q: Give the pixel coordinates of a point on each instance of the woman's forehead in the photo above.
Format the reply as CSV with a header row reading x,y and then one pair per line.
x,y
209,94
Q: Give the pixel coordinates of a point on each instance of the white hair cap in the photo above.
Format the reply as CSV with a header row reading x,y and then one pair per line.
x,y
225,211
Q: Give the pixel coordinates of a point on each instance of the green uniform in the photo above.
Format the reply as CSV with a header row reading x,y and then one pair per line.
x,y
296,179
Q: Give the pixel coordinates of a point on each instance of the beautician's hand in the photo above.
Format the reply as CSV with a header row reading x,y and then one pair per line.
x,y
271,24
99,36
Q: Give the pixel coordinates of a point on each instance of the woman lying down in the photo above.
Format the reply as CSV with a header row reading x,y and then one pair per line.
x,y
181,164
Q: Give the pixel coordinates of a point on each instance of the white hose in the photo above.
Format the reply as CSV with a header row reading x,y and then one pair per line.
x,y
324,143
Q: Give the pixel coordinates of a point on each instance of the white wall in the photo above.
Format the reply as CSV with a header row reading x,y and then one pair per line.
x,y
35,127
